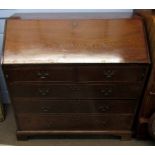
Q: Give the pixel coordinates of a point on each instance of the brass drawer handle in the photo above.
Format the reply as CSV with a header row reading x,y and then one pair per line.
x,y
43,92
108,73
42,74
106,91
104,108
45,109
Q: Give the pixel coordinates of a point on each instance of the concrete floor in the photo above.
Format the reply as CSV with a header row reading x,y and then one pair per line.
x,y
8,137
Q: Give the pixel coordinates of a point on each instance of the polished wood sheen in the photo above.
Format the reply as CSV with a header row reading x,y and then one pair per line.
x,y
75,76
75,41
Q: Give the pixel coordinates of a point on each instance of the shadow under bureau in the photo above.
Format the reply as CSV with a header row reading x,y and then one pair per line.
x,y
75,77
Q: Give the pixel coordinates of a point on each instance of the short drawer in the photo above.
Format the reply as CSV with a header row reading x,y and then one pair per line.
x,y
74,106
40,73
112,73
76,73
75,91
74,122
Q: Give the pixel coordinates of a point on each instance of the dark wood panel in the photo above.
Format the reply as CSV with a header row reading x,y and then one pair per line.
x,y
74,106
74,122
75,91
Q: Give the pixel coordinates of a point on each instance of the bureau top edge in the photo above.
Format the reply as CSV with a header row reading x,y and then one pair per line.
x,y
75,41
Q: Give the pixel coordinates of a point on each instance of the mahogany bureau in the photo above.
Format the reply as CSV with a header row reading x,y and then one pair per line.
x,y
75,77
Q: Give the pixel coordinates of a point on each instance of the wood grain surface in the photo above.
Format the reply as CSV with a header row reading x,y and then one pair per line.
x,y
75,41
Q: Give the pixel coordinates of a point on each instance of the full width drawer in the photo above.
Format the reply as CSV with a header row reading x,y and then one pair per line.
x,y
74,122
74,106
75,91
76,73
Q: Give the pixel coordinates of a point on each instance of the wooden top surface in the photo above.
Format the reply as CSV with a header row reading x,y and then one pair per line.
x,y
75,41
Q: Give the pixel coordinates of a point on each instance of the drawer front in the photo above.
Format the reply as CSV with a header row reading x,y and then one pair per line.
x,y
41,73
74,122
112,74
78,73
74,91
74,106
